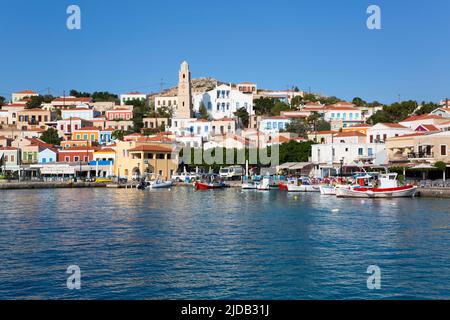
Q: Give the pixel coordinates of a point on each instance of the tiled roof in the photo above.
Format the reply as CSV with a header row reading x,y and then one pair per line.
x,y
422,117
150,148
350,134
393,125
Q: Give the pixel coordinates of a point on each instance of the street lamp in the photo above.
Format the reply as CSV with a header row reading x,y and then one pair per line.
x,y
342,166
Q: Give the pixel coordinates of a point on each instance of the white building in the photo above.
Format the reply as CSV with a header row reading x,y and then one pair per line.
x,y
168,102
124,98
383,131
82,111
19,96
274,124
223,101
415,121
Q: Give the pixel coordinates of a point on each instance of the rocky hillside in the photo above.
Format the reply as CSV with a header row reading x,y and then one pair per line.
x,y
199,85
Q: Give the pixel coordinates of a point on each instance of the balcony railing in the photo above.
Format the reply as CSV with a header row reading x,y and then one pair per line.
x,y
421,155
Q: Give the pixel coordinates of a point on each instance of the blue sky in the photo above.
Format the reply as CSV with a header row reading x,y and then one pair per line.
x,y
324,45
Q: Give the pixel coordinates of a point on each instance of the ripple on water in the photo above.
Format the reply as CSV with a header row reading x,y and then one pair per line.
x,y
227,244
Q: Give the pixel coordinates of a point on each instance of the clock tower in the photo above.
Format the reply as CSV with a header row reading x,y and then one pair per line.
x,y
184,106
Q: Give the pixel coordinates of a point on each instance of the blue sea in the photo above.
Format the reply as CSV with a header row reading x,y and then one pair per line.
x,y
221,244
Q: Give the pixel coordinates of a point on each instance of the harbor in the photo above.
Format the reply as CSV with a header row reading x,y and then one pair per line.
x,y
220,244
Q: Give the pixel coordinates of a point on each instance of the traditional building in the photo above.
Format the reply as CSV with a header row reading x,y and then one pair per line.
x,y
184,108
136,160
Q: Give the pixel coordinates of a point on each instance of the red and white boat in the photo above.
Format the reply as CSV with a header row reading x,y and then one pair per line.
x,y
388,188
211,182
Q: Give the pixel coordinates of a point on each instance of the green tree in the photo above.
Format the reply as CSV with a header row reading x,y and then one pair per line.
x,y
299,127
79,94
442,166
35,102
357,101
165,112
309,98
427,107
139,112
51,136
322,125
263,105
278,108
296,102
395,112
294,151
243,115
118,135
203,112
105,96
2,101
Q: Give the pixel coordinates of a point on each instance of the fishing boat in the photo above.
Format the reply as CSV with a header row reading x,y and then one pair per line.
x,y
249,185
301,185
386,186
211,182
267,183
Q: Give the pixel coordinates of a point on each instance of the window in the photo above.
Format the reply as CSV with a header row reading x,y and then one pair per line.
x,y
67,159
370,152
443,150
371,138
360,151
76,158
384,137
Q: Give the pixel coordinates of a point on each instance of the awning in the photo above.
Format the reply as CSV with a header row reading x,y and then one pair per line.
x,y
299,166
58,170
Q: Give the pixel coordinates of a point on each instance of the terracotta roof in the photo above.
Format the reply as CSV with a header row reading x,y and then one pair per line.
x,y
422,117
8,148
26,92
350,134
151,148
361,125
106,150
120,109
88,129
394,125
428,127
409,135
71,99
88,148
324,132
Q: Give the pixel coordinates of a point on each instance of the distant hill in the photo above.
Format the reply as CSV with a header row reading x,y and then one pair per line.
x,y
199,85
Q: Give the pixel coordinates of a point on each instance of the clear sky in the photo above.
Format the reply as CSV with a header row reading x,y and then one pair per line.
x,y
325,45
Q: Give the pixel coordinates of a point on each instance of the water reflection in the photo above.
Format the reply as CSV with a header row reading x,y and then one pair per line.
x,y
228,244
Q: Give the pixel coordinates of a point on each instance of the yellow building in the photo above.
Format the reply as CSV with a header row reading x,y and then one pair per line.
x,y
135,160
86,134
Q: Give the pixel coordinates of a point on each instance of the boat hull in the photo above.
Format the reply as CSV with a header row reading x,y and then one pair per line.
x,y
303,188
208,186
328,190
399,192
161,185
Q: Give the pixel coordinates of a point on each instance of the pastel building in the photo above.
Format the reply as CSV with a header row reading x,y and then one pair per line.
x,y
48,155
76,154
380,132
274,124
21,95
223,102
10,159
119,114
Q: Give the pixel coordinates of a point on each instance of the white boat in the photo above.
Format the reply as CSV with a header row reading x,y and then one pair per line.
x,y
388,188
266,184
250,185
301,185
158,184
328,190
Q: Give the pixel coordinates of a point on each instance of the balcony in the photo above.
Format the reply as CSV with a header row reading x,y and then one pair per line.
x,y
421,155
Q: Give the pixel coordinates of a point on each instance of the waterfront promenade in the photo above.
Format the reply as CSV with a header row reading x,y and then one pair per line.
x,y
428,192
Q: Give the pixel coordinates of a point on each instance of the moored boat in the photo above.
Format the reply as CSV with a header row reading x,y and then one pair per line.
x,y
212,182
159,184
301,185
327,190
387,187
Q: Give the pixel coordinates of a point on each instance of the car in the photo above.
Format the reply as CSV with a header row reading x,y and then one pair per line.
x,y
185,177
233,172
